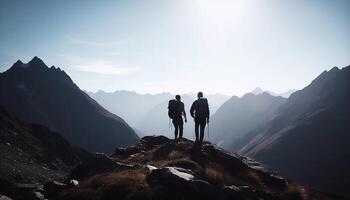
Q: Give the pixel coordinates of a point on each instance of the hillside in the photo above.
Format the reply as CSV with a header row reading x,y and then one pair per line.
x,y
238,116
31,153
309,139
47,96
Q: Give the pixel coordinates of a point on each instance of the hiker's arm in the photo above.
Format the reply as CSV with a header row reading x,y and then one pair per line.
x,y
184,112
192,110
208,113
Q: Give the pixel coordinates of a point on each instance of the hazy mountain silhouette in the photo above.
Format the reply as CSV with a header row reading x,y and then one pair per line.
x,y
309,140
130,105
31,153
149,113
238,116
48,96
285,94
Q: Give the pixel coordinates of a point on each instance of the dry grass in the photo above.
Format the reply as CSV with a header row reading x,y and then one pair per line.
x,y
185,163
124,184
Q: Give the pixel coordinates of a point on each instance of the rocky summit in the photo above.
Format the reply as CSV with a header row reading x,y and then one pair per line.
x,y
159,168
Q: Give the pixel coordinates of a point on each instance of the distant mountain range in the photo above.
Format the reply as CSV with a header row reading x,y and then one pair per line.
x,y
130,105
147,113
238,116
47,96
285,94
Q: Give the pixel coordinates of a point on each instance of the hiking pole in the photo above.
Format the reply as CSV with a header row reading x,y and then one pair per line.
x,y
208,131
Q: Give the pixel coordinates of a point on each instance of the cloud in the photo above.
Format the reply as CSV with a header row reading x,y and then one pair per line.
x,y
78,41
98,66
121,54
74,40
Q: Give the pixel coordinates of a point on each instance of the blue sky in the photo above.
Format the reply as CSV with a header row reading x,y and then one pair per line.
x,y
178,46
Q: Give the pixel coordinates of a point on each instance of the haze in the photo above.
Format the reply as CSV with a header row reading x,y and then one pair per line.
x,y
179,46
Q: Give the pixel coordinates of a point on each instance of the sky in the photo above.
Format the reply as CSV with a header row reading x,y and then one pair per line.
x,y
179,46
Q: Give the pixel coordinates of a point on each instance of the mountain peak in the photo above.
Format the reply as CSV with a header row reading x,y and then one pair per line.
x,y
18,62
36,61
257,90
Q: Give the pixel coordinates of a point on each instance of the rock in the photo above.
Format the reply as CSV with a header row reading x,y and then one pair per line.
x,y
228,159
126,152
52,188
38,196
3,197
170,175
98,164
151,167
74,183
151,141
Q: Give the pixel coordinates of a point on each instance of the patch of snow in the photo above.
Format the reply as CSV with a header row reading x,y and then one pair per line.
x,y
151,168
234,188
180,173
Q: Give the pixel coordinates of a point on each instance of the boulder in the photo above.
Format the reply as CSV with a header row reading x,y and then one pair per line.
x,y
3,197
52,188
151,141
170,175
227,159
100,163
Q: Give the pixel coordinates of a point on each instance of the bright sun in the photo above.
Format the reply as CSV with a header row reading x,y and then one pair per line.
x,y
222,11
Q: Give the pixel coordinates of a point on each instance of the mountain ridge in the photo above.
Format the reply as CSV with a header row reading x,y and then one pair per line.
x,y
315,122
48,96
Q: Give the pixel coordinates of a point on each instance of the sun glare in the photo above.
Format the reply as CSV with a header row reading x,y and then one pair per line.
x,y
222,11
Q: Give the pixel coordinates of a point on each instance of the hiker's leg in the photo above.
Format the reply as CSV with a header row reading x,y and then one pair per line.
x,y
196,126
202,128
176,128
181,130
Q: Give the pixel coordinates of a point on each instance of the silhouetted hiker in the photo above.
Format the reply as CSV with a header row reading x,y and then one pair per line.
x,y
175,111
200,112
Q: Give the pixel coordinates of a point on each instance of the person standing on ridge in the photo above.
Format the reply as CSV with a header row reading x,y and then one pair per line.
x,y
176,109
200,112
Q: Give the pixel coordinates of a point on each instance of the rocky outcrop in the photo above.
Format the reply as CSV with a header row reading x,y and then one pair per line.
x,y
181,170
100,163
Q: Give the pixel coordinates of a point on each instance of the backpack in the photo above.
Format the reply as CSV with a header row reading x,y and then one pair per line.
x,y
173,108
202,109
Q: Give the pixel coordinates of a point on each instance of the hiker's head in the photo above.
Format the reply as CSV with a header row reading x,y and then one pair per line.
x,y
178,97
200,95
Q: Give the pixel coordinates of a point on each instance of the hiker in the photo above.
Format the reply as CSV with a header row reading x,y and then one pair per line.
x,y
200,112
175,111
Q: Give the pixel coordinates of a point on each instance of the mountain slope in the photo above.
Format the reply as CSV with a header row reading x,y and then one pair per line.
x,y
238,116
31,153
47,96
309,140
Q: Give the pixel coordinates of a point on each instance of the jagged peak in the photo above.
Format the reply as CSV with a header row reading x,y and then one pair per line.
x,y
36,61
18,62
